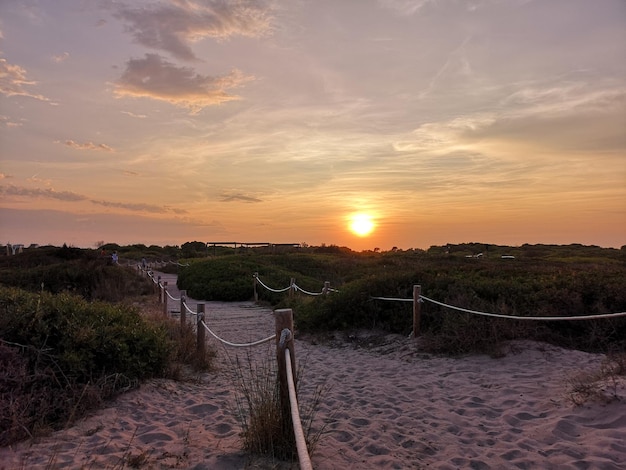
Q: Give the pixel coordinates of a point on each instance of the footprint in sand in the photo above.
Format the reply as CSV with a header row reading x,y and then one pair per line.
x,y
203,409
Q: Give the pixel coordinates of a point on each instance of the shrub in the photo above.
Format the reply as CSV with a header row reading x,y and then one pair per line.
x,y
67,355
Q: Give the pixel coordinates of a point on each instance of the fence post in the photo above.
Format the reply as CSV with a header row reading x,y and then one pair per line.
x,y
160,289
326,288
417,310
292,287
256,294
284,320
183,310
200,343
165,298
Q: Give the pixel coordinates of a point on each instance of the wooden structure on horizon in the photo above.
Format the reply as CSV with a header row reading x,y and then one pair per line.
x,y
271,246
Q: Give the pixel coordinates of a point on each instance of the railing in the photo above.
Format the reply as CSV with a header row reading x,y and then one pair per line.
x,y
292,288
418,299
285,355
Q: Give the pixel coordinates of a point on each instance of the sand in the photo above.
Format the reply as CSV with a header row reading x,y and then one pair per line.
x,y
387,407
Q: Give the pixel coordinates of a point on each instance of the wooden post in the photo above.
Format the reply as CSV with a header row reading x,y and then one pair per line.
x,y
256,294
183,310
417,310
326,288
292,287
165,298
160,289
284,320
200,343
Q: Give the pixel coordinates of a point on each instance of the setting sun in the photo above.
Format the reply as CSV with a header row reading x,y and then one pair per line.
x,y
361,224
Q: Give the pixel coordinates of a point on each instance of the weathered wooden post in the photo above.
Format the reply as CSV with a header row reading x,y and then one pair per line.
x,y
200,343
183,309
165,298
417,310
284,323
292,287
160,289
326,288
256,294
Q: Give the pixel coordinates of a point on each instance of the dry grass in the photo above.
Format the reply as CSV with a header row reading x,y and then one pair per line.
x,y
187,361
266,429
605,385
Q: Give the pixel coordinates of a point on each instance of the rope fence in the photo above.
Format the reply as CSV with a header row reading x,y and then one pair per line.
x,y
292,288
284,353
285,345
419,299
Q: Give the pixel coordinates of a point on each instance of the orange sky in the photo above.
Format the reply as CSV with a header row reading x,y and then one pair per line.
x,y
274,121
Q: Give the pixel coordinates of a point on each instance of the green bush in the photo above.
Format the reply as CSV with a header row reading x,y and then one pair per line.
x,y
81,272
68,355
230,278
85,338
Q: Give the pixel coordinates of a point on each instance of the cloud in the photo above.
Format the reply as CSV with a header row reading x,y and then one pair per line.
x,y
173,25
87,146
48,193
153,77
238,197
13,81
61,57
131,114
533,119
35,179
5,121
406,7
69,196
444,136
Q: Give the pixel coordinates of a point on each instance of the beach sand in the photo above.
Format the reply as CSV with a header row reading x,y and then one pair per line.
x,y
387,406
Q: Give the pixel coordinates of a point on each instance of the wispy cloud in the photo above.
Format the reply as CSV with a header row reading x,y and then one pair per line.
x,y
156,78
13,82
86,146
172,26
7,122
131,114
61,57
37,180
69,196
238,197
48,193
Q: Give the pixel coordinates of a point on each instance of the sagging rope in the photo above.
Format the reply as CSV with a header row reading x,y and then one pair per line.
x,y
269,288
175,299
226,342
303,452
517,317
392,298
238,345
422,298
306,292
294,286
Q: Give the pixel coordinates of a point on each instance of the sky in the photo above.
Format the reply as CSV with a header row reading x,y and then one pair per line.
x,y
443,121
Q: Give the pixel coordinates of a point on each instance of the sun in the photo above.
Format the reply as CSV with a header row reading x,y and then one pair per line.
x,y
361,224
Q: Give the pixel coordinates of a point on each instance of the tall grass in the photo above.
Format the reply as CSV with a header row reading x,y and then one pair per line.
x,y
266,425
